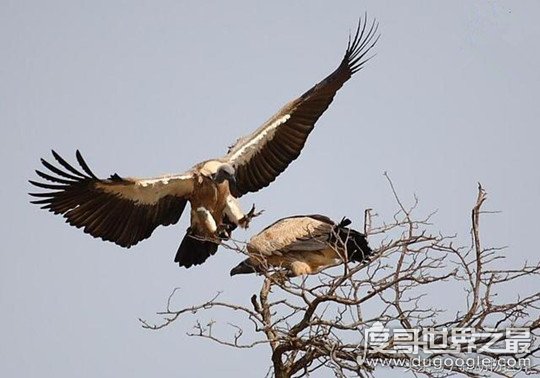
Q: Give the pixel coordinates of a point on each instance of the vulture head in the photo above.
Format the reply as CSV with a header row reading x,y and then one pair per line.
x,y
245,267
225,172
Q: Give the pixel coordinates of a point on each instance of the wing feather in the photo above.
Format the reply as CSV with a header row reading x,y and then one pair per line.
x,y
260,157
65,164
83,164
296,233
124,211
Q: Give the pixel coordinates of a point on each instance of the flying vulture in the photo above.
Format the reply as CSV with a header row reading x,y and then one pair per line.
x,y
303,244
127,210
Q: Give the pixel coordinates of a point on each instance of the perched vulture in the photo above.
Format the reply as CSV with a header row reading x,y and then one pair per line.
x,y
127,210
303,244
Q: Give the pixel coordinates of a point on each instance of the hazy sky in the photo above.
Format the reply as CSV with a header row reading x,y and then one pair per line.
x,y
150,87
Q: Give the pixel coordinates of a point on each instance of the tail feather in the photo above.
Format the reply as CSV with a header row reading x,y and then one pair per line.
x,y
356,243
193,250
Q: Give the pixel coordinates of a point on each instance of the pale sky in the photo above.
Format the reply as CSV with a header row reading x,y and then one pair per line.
x,y
150,87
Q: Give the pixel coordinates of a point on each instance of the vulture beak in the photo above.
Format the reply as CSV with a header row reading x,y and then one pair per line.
x,y
243,268
232,184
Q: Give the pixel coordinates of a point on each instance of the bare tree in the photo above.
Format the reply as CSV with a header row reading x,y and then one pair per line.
x,y
319,322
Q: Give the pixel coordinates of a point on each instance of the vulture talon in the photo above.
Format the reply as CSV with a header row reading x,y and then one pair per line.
x,y
280,278
223,234
245,221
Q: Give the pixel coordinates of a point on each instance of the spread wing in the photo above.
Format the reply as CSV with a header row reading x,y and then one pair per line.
x,y
260,157
299,233
122,210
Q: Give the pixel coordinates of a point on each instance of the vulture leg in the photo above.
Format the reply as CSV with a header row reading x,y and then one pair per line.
x,y
300,268
226,228
207,220
233,212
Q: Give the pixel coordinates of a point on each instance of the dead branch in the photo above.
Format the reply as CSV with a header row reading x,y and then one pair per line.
x,y
319,322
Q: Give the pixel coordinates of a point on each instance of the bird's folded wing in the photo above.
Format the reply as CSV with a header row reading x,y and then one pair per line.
x,y
122,210
260,157
302,233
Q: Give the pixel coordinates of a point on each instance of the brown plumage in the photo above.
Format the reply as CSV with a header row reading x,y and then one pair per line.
x,y
127,210
303,244
261,156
